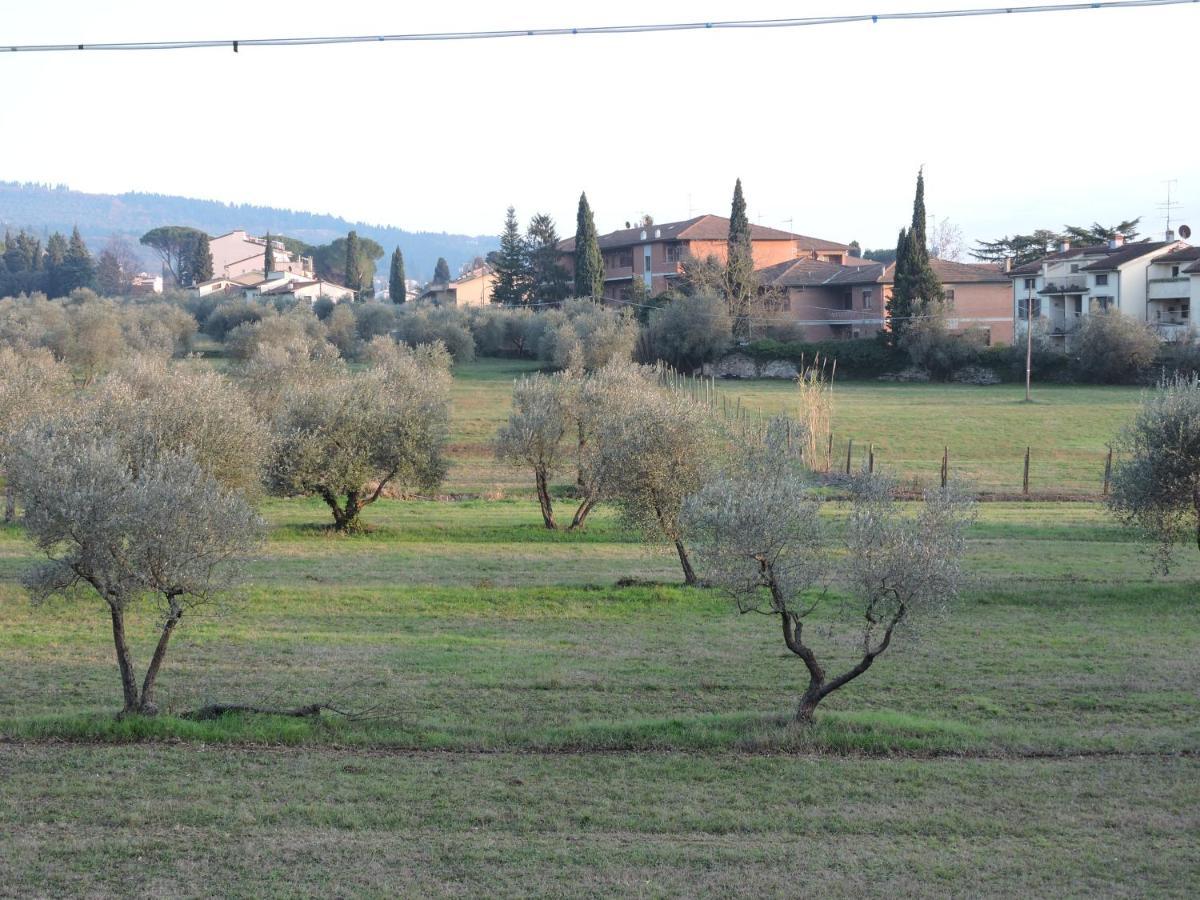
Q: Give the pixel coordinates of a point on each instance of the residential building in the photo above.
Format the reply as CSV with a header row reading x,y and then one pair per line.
x,y
653,253
1062,288
1172,280
850,300
238,253
145,283
281,285
472,288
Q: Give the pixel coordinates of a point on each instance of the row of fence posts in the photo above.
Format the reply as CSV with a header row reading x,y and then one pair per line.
x,y
703,388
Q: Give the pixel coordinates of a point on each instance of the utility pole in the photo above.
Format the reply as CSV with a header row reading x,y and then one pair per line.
x,y
1028,343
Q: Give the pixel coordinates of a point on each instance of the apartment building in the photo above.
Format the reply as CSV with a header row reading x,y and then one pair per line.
x,y
653,253
850,300
238,253
1146,280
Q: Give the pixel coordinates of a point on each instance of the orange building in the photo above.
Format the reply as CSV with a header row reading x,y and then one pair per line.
x,y
653,253
850,300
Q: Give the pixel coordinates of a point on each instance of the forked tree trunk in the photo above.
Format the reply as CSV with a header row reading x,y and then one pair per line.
x,y
543,493
124,660
581,513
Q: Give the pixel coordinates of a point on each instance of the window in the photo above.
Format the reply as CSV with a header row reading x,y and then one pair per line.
x,y
619,259
1030,284
1174,271
868,300
1022,312
848,300
1074,268
1101,279
785,305
673,252
949,292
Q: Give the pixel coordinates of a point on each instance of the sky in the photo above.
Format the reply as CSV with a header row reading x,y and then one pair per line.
x,y
1020,122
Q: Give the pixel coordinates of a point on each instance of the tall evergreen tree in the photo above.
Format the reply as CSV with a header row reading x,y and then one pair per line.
x,y
512,265
441,272
739,264
56,257
589,263
548,275
396,280
269,257
353,267
914,285
200,261
78,270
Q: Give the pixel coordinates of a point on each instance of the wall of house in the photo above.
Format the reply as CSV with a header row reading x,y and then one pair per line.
x,y
985,305
475,291
821,311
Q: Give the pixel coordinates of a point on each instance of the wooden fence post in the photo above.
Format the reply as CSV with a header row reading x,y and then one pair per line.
x,y
945,465
1108,470
849,450
870,459
1025,481
829,454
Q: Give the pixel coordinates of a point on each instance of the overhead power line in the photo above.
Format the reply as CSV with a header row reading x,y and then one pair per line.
x,y
728,24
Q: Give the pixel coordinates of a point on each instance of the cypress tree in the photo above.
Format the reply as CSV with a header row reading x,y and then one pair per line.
x,y
589,264
269,258
512,265
899,305
396,279
739,266
200,261
353,267
441,272
914,285
78,270
56,256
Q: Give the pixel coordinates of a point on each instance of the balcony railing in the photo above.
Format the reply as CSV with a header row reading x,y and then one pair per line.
x,y
1071,284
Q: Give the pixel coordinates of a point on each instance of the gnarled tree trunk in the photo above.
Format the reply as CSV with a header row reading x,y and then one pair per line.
x,y
543,493
689,573
581,513
124,660
147,706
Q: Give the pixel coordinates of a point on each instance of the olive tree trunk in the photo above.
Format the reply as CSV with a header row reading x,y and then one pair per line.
x,y
129,685
146,705
544,501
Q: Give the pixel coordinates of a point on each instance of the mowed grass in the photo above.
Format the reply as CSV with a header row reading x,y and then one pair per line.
x,y
529,727
986,429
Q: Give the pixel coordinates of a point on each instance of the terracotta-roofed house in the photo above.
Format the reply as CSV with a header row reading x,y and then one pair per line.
x,y
850,300
653,253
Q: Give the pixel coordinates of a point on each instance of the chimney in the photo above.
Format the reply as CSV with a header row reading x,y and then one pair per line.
x,y
1008,264
1170,236
1117,240
1064,245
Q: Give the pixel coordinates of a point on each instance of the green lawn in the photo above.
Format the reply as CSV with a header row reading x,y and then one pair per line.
x,y
529,727
986,429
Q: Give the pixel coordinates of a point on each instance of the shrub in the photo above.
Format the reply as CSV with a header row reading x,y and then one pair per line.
x,y
229,314
861,357
587,331
1111,348
507,332
419,324
687,332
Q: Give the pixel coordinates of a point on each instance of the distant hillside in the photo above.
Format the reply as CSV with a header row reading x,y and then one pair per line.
x,y
44,208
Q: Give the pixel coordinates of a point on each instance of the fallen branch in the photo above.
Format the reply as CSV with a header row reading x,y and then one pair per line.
x,y
216,710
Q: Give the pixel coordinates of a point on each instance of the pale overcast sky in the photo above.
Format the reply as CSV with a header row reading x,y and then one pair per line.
x,y
1021,122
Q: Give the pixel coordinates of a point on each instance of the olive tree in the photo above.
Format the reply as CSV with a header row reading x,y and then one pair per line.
x,y
759,536
349,436
33,383
534,434
650,448
164,531
1156,485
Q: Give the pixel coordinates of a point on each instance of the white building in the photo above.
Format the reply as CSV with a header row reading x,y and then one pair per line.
x,y
1070,284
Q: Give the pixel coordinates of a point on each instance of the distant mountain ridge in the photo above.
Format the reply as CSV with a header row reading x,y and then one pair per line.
x,y
45,208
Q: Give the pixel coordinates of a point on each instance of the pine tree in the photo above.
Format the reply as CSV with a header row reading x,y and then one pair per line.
x,y
353,267
589,264
739,265
269,257
56,256
396,280
78,269
512,265
549,277
441,272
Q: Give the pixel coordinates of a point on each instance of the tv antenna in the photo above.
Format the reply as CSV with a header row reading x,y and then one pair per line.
x,y
1170,205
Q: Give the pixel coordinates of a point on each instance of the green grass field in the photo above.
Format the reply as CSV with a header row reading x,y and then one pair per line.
x,y
531,728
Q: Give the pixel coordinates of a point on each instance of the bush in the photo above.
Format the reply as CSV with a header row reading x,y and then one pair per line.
x,y
1111,348
292,330
687,332
931,346
229,314
419,324
507,332
589,332
1179,358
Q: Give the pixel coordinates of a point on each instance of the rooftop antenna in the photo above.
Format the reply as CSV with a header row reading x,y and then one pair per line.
x,y
1171,205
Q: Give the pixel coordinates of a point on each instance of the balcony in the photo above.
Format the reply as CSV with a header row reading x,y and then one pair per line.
x,y
1066,284
1169,289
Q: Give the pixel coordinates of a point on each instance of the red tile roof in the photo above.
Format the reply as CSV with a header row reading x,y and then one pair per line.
x,y
700,228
